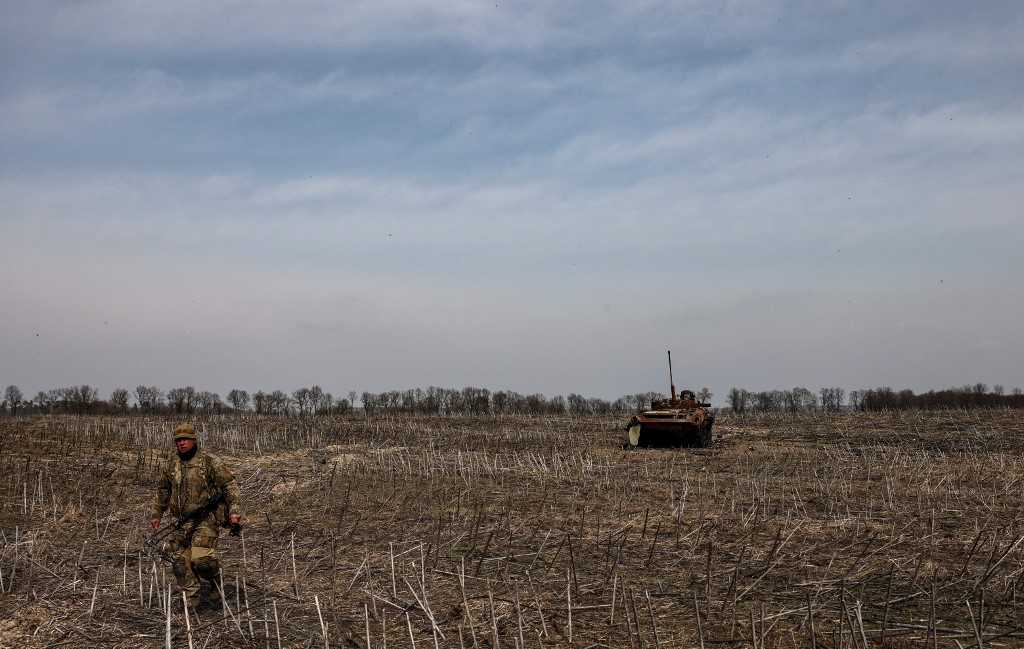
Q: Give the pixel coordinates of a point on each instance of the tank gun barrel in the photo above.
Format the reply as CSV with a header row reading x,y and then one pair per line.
x,y
671,383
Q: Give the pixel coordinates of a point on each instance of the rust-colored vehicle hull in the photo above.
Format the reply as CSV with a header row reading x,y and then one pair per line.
x,y
685,427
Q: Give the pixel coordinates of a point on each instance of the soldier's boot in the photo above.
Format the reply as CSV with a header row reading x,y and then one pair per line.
x,y
180,603
215,588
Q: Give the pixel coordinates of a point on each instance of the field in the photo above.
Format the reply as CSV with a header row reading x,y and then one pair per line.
x,y
840,530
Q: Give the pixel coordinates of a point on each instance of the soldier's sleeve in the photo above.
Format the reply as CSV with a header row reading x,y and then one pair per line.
x,y
163,494
224,479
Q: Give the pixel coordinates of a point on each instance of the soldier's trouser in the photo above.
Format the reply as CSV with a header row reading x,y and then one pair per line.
x,y
195,550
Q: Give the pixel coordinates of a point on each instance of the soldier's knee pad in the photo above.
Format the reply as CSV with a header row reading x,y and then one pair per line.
x,y
204,557
205,563
207,567
179,568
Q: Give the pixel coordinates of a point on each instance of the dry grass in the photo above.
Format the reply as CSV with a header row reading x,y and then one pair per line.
x,y
826,531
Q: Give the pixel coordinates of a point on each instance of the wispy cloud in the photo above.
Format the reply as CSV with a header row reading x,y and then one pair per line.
x,y
539,191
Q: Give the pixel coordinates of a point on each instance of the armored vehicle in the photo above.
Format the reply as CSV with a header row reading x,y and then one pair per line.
x,y
679,421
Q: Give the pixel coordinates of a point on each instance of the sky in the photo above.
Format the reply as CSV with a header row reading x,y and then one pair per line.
x,y
532,196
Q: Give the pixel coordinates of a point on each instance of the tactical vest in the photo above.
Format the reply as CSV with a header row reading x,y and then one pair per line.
x,y
220,513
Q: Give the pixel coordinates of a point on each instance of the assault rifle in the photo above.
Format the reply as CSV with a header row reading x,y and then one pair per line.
x,y
155,541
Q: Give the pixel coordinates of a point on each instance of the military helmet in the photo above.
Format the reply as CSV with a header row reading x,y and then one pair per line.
x,y
184,431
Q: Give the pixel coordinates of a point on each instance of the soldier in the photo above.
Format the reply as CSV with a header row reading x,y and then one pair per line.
x,y
187,480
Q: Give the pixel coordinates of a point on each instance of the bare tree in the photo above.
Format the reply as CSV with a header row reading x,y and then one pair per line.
x,y
477,400
83,397
882,398
622,405
369,403
768,401
704,395
577,404
738,398
13,397
42,402
183,400
499,401
799,399
855,397
209,401
318,400
260,402
119,400
148,398
301,399
556,405
430,401
239,399
832,398
279,403
191,398
60,398
176,399
451,401
536,404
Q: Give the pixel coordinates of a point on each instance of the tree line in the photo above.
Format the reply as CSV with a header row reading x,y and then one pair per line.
x,y
84,400
834,399
481,401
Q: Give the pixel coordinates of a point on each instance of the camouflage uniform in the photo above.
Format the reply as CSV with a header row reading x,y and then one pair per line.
x,y
184,486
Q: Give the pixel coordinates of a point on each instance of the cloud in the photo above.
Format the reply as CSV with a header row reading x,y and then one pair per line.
x,y
530,195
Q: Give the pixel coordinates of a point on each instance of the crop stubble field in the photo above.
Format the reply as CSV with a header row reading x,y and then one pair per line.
x,y
813,530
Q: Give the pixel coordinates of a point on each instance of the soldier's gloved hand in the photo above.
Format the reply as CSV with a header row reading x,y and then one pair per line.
x,y
154,523
236,524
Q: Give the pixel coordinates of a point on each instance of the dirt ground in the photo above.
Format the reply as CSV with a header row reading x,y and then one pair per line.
x,y
814,530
